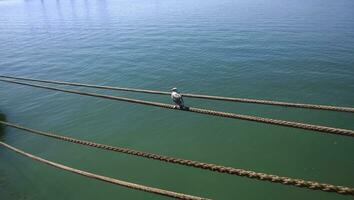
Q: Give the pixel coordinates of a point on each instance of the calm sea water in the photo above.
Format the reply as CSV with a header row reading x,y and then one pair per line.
x,y
298,51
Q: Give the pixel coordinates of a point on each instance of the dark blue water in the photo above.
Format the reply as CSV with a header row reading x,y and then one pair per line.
x,y
297,51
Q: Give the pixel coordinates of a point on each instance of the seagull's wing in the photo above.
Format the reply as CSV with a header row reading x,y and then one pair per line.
x,y
181,98
177,98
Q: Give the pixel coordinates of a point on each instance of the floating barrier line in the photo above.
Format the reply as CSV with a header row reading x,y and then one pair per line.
x,y
191,163
105,178
232,99
323,129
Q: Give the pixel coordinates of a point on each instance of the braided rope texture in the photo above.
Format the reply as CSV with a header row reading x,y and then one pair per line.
x,y
206,166
243,100
323,129
105,178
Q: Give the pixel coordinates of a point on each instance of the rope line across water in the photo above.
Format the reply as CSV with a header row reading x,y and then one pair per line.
x,y
105,178
323,129
206,166
199,96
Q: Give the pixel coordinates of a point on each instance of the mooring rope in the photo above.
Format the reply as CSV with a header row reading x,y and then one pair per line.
x,y
323,129
105,178
199,96
191,163
318,128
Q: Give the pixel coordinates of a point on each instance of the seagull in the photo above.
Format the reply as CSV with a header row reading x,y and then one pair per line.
x,y
177,98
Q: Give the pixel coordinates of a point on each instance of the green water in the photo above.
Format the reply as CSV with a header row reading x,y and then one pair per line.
x,y
297,51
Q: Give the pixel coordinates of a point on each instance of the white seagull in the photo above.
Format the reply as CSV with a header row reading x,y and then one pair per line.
x,y
177,98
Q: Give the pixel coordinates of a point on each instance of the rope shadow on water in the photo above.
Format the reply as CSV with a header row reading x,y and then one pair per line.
x,y
2,127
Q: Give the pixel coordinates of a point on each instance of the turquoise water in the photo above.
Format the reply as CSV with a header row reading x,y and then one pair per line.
x,y
297,51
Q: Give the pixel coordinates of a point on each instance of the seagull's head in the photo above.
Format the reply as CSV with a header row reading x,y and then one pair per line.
x,y
174,89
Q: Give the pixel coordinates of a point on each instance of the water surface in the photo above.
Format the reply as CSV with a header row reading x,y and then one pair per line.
x,y
298,51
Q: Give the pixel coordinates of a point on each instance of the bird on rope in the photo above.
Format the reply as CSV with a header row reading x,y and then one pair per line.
x,y
177,98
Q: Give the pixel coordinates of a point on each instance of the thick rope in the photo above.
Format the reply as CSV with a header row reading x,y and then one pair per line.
x,y
206,166
105,178
312,127
323,129
199,96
